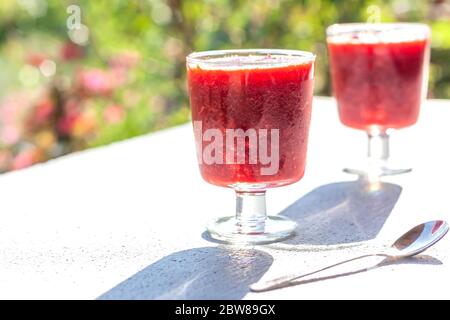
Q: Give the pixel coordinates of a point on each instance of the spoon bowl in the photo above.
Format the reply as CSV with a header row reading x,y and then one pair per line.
x,y
418,239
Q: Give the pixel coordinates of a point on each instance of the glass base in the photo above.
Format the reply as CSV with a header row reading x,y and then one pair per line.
x,y
378,163
377,171
271,229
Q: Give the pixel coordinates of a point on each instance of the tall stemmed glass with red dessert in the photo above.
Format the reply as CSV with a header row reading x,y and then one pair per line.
x,y
251,111
379,74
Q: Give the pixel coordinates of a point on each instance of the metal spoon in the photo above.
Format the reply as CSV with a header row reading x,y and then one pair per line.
x,y
413,242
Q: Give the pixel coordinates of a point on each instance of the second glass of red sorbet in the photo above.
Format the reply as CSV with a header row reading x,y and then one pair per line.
x,y
379,74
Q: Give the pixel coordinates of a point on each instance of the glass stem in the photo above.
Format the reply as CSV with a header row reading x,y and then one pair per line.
x,y
251,211
378,147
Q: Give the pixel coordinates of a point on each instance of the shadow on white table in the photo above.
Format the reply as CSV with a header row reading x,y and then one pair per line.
x,y
342,212
200,273
339,213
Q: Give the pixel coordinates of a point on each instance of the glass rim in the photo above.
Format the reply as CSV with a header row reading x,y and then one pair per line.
x,y
202,57
355,27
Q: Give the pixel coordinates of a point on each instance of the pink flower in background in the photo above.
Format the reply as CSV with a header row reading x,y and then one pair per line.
x,y
10,134
13,106
12,109
35,59
35,124
119,75
70,51
113,114
65,125
126,60
9,112
43,111
99,82
94,81
26,157
72,105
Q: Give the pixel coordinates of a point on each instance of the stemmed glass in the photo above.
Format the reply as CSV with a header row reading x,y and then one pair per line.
x,y
251,111
379,74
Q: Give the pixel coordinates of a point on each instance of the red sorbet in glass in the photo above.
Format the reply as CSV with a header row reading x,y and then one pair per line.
x,y
269,92
377,80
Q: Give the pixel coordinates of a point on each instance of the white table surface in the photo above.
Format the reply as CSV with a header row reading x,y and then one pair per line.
x,y
126,221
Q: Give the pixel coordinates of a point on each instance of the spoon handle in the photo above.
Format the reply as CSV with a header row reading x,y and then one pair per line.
x,y
287,279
